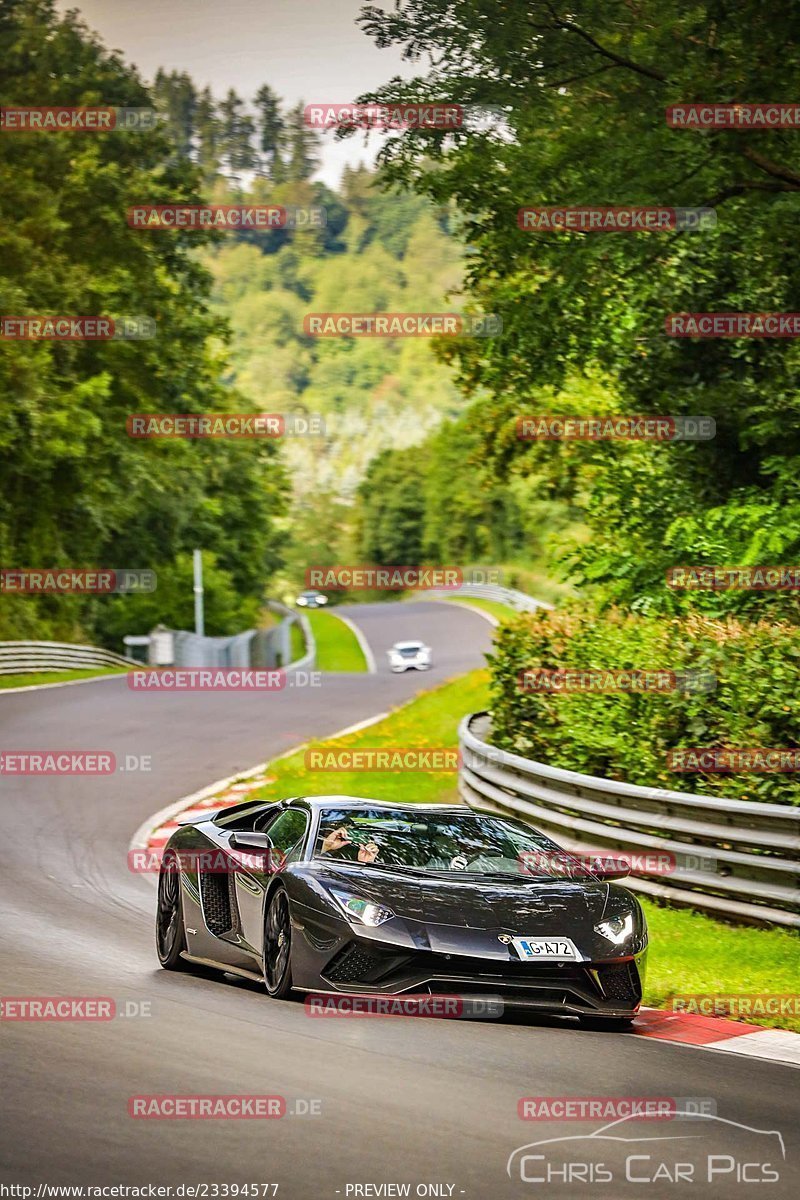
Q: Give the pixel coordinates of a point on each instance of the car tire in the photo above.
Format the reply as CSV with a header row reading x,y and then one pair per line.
x,y
278,945
170,936
609,1024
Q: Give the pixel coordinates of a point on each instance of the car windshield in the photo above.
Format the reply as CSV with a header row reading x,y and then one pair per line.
x,y
469,842
409,651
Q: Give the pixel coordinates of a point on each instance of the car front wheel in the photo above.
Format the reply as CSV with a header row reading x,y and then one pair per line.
x,y
170,939
278,945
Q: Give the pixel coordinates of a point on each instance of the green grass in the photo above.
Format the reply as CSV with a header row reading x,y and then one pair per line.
x,y
689,953
693,953
337,645
14,681
297,643
427,721
495,609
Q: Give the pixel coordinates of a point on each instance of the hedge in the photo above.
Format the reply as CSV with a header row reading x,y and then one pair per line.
x,y
756,702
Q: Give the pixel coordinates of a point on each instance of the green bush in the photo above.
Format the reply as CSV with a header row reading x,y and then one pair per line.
x,y
627,736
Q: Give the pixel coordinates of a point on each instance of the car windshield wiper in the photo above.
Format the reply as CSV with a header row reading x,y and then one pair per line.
x,y
393,867
520,876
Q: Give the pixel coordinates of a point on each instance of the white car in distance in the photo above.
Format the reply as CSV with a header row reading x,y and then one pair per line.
x,y
410,656
311,599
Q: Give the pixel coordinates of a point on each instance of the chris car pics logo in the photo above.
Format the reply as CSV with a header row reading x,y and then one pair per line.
x,y
697,1147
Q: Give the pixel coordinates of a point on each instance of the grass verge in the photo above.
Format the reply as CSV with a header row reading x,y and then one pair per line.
x,y
15,681
337,645
427,721
690,953
297,643
502,612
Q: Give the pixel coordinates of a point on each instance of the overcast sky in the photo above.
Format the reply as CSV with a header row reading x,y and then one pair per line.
x,y
308,50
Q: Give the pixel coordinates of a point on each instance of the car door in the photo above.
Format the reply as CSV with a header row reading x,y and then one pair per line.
x,y
287,833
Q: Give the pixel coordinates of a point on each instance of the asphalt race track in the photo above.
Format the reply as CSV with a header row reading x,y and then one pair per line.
x,y
416,1101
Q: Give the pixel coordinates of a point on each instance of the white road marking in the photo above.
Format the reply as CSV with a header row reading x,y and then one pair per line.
x,y
366,649
40,687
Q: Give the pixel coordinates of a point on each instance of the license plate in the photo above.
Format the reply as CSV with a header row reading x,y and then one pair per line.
x,y
547,949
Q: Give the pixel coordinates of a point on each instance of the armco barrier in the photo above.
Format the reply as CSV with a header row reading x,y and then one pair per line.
x,y
24,658
254,648
262,648
490,591
309,659
733,858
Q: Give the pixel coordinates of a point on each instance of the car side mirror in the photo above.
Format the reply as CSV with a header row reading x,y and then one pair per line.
x,y
249,839
611,872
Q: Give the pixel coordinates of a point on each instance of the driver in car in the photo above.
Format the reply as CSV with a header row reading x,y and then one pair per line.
x,y
474,858
339,840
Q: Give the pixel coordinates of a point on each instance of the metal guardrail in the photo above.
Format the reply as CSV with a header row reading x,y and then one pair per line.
x,y
490,591
253,648
24,658
732,858
309,659
259,648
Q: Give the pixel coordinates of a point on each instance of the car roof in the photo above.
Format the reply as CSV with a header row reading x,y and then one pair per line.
x,y
323,802
406,645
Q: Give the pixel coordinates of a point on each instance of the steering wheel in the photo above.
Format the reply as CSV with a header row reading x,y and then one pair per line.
x,y
484,854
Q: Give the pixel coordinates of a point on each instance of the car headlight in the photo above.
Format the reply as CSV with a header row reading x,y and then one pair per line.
x,y
617,929
356,908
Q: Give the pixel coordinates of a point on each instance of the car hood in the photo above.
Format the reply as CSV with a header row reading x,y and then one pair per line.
x,y
477,903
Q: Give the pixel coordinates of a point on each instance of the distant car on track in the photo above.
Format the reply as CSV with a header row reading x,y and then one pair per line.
x,y
311,599
410,656
338,894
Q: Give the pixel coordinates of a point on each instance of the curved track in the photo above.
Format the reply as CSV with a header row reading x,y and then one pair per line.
x,y
401,1101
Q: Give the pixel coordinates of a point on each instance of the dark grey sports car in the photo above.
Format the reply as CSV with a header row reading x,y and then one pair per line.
x,y
333,894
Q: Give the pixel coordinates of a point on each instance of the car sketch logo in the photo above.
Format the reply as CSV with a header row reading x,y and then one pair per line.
x,y
611,1154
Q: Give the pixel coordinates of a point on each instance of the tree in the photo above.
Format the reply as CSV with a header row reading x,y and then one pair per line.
x,y
393,509
76,489
302,146
270,131
580,91
209,135
237,130
176,97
